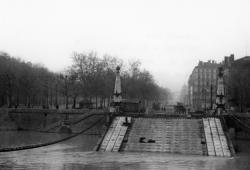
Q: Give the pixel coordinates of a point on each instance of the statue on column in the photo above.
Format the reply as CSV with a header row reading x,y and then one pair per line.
x,y
220,94
117,95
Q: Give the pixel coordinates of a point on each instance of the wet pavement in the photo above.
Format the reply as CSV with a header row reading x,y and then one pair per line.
x,y
77,153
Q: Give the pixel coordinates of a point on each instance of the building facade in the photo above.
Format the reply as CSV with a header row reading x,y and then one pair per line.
x,y
202,83
202,86
238,84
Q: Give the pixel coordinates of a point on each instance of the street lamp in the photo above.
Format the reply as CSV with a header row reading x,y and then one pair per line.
x,y
56,102
211,96
66,90
205,90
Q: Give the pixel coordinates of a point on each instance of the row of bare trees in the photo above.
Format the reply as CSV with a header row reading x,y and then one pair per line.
x,y
89,77
23,83
97,76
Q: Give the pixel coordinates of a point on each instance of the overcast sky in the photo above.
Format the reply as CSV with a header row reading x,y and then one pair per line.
x,y
169,37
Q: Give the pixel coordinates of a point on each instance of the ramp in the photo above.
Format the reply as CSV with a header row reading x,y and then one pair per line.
x,y
216,140
114,136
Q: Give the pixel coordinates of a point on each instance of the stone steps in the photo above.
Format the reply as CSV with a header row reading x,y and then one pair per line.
x,y
186,136
169,135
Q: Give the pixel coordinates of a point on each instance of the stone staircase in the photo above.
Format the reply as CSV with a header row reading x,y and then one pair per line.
x,y
173,135
165,135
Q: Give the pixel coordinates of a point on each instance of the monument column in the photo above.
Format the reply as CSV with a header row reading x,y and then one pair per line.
x,y
220,94
117,96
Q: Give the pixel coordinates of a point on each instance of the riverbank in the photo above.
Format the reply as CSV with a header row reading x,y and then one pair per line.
x,y
42,119
19,130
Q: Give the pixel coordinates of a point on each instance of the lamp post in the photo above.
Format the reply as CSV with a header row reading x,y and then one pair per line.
x,y
211,96
56,103
66,90
205,100
205,90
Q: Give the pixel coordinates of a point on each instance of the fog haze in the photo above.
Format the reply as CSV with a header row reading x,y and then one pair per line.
x,y
168,37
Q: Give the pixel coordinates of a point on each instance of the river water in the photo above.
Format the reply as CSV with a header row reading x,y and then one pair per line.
x,y
77,153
